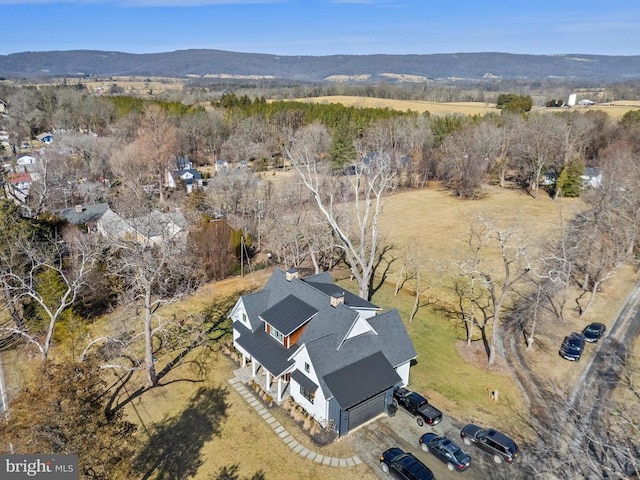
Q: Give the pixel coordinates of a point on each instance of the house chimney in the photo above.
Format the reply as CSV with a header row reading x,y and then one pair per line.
x,y
336,298
291,274
79,208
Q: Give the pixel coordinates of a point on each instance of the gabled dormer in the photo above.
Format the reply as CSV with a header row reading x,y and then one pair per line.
x,y
360,326
285,321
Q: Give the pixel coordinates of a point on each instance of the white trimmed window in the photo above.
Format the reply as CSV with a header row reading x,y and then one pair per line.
x,y
277,335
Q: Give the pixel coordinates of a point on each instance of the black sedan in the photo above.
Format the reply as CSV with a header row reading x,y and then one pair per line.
x,y
593,332
404,466
446,451
572,346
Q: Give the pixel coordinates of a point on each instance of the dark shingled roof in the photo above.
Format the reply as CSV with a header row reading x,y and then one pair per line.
x,y
324,336
289,314
361,380
350,299
87,213
304,381
265,349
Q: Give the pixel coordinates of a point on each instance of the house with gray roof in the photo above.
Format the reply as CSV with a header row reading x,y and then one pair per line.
x,y
338,355
96,218
190,177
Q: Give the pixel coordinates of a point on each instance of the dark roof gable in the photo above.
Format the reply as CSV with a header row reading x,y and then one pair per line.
x,y
289,314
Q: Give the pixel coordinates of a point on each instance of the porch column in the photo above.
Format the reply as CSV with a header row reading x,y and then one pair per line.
x,y
253,367
267,381
280,382
244,360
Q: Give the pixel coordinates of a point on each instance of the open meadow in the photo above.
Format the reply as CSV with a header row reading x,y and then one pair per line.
x,y
614,109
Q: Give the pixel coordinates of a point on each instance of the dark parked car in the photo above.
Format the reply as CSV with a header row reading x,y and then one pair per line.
x,y
418,406
491,441
593,332
404,465
446,451
572,346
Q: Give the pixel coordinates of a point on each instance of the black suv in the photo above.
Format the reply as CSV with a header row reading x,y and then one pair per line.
x,y
404,466
445,450
491,441
593,332
572,346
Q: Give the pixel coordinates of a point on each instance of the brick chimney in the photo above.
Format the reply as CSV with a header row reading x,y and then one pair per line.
x,y
79,208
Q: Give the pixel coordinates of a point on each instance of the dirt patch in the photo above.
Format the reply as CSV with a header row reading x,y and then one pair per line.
x,y
476,355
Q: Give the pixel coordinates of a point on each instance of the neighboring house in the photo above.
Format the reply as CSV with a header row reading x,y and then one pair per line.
x,y
183,163
18,186
26,160
20,181
158,227
190,177
592,177
221,165
89,216
549,178
586,102
45,137
329,349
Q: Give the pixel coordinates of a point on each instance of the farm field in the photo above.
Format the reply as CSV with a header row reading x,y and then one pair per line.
x,y
614,109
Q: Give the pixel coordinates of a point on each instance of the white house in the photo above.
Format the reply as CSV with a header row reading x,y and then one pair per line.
x,y
313,340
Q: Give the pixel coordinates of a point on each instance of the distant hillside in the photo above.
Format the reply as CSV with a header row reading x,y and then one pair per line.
x,y
349,68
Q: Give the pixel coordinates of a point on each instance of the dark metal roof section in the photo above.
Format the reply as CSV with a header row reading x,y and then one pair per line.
x,y
350,299
361,380
304,381
289,314
266,350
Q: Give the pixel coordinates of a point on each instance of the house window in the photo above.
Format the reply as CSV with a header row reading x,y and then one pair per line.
x,y
244,317
306,367
277,335
307,394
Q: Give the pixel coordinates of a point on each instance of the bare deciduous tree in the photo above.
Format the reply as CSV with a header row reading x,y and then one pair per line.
x,y
153,274
43,272
353,209
497,281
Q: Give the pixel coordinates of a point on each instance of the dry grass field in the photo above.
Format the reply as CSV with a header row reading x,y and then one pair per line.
x,y
435,108
614,109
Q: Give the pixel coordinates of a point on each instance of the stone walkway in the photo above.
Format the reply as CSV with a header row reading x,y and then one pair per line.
x,y
286,437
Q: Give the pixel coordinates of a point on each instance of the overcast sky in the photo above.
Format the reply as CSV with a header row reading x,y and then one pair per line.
x,y
323,27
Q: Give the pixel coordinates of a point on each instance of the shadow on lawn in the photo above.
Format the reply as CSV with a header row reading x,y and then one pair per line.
x,y
174,448
215,328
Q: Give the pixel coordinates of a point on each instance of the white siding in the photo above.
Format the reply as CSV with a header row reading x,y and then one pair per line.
x,y
403,371
319,407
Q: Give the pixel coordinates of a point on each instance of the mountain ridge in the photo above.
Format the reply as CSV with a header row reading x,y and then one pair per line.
x,y
193,63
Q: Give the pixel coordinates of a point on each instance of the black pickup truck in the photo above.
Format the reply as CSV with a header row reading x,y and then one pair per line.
x,y
418,406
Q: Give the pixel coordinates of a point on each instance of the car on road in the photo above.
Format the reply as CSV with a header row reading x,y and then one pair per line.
x,y
418,406
497,444
593,332
403,465
446,451
572,346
